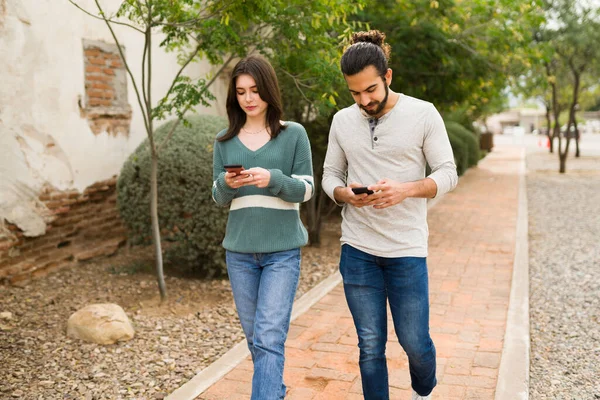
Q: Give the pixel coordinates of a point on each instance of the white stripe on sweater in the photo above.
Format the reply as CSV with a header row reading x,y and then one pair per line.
x,y
304,177
263,202
308,182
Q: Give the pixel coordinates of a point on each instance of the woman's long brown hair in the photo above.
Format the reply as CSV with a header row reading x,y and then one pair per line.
x,y
268,90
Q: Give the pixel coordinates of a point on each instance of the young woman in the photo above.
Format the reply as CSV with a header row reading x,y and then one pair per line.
x,y
264,232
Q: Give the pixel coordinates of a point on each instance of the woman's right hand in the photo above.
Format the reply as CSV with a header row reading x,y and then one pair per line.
x,y
235,181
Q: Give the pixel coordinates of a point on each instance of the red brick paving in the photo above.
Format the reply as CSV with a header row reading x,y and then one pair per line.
x,y
472,241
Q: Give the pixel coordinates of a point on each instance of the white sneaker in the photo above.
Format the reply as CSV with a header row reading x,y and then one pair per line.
x,y
416,396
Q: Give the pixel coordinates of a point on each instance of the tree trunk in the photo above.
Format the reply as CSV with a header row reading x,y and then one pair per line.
x,y
571,123
314,222
577,72
555,133
577,154
572,111
549,125
555,112
314,237
155,227
556,128
563,163
315,216
162,287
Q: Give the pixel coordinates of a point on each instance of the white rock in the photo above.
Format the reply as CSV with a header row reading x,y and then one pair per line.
x,y
5,315
100,323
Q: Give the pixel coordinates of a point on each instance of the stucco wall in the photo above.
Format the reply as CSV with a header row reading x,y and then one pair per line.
x,y
44,138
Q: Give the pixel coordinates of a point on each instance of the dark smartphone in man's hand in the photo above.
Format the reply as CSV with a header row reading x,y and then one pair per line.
x,y
361,190
236,168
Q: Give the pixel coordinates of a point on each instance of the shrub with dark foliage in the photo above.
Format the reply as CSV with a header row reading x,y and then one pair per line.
x,y
465,145
460,150
192,226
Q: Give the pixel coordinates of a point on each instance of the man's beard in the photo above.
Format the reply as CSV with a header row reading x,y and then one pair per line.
x,y
381,103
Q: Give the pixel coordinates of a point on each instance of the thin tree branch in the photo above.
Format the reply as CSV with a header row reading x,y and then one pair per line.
x,y
297,85
103,18
189,60
146,44
193,38
137,92
139,7
474,52
468,31
295,77
190,22
149,80
199,17
214,78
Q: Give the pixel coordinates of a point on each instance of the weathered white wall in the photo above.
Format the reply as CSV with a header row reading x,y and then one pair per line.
x,y
43,137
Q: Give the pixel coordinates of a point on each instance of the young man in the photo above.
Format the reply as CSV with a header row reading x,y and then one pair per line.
x,y
384,142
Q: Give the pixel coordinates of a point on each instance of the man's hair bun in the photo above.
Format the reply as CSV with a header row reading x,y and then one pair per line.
x,y
373,36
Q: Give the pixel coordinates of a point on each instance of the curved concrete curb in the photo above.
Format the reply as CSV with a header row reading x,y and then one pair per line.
x,y
513,377
211,374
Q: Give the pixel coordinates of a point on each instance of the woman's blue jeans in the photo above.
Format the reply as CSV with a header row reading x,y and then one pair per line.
x,y
369,283
264,286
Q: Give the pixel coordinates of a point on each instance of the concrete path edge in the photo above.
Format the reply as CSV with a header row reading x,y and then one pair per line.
x,y
513,376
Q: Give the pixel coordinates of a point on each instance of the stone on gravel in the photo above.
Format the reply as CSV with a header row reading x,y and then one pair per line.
x,y
101,324
5,315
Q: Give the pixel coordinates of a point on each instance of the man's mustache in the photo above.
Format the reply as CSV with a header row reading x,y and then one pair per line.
x,y
370,104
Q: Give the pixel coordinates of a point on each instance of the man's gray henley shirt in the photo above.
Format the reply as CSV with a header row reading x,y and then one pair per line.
x,y
396,146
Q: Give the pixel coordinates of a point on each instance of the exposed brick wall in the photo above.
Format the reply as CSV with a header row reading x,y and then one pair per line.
x,y
83,226
106,107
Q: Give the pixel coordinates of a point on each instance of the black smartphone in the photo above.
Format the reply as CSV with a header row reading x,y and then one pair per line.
x,y
237,168
361,190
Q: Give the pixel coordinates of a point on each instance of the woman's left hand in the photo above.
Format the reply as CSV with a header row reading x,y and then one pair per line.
x,y
257,176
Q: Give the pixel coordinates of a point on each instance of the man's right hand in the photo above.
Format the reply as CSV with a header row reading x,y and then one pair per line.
x,y
344,194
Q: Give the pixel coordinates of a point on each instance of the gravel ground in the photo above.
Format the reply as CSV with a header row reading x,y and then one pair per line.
x,y
564,234
172,342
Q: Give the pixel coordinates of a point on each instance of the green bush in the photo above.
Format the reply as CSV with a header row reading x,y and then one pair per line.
x,y
469,138
460,150
192,226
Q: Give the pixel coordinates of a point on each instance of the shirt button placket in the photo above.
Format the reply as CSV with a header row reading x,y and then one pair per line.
x,y
372,125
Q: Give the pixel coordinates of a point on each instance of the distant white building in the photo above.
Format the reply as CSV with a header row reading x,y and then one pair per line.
x,y
592,122
529,119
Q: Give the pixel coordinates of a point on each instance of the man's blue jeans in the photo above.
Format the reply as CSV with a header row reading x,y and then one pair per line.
x,y
264,286
368,282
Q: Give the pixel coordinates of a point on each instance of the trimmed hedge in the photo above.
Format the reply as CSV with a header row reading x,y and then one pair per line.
x,y
192,226
461,156
465,145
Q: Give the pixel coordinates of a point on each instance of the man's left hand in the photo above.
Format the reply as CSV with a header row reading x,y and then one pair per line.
x,y
389,193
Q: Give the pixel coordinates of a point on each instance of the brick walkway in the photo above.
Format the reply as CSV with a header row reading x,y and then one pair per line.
x,y
472,241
